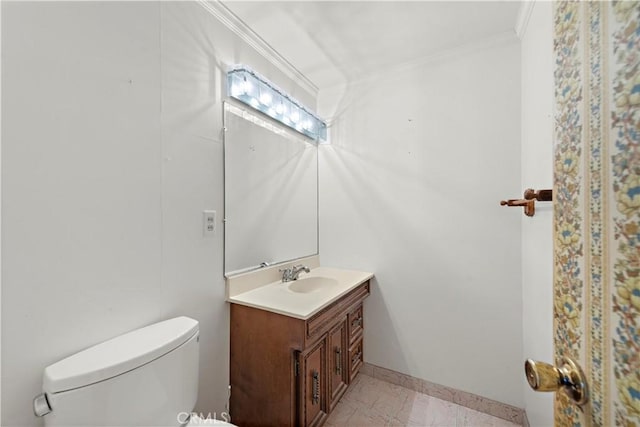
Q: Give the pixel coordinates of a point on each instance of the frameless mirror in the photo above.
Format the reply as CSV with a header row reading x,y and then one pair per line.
x,y
271,192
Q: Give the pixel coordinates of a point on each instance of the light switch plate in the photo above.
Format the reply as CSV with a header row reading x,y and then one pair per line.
x,y
209,223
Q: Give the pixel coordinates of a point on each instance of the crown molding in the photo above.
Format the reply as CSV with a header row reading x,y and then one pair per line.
x,y
524,14
223,14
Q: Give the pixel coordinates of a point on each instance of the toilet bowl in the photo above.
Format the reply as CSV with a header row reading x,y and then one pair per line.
x,y
147,377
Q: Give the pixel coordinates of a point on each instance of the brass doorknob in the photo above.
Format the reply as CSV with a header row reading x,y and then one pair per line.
x,y
568,378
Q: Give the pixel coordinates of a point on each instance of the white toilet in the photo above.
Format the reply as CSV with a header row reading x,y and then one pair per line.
x,y
145,378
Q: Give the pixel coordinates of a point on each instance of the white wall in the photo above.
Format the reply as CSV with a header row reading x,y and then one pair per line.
x,y
111,150
537,172
410,189
81,195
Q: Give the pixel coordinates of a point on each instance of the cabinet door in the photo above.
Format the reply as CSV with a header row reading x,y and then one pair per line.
x,y
338,369
313,387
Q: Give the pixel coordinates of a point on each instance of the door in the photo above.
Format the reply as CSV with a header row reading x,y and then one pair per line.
x,y
313,402
597,208
337,364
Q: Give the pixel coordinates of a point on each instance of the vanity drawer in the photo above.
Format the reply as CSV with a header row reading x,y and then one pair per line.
x,y
356,358
336,312
356,323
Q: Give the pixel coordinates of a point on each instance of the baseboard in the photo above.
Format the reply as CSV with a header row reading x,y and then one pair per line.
x,y
459,397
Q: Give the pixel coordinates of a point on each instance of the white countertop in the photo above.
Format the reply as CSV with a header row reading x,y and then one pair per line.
x,y
278,298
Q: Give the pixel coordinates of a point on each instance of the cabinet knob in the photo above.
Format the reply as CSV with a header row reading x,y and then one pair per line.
x,y
568,378
357,322
356,358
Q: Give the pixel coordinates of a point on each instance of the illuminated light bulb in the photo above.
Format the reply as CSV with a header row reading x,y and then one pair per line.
x,y
295,116
254,103
280,109
236,90
246,87
271,112
308,125
266,98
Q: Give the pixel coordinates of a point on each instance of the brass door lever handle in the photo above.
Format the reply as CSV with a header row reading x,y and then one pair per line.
x,y
529,201
539,195
568,378
529,205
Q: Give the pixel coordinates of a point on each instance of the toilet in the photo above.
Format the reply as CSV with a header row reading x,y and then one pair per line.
x,y
147,377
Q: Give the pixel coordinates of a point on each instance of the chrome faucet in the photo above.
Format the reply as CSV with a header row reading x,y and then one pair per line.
x,y
292,273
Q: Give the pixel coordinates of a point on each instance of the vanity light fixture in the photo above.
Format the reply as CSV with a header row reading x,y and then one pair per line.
x,y
252,89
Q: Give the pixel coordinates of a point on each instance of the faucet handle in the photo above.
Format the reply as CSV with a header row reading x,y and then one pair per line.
x,y
286,273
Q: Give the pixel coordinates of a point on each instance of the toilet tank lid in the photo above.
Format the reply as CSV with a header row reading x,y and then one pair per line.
x,y
118,355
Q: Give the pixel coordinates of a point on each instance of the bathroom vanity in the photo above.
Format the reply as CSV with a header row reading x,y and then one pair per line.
x,y
296,347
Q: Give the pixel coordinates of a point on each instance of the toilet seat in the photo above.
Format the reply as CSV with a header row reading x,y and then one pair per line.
x,y
196,421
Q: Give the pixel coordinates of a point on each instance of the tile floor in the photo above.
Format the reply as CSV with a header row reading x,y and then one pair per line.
x,y
370,402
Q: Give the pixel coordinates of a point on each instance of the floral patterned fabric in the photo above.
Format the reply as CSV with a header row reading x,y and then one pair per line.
x,y
597,206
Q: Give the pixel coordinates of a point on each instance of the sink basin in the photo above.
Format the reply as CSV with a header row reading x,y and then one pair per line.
x,y
307,285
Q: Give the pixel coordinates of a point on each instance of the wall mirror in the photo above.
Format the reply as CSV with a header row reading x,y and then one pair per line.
x,y
271,192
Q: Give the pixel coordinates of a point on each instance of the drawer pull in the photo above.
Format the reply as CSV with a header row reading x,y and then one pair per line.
x,y
315,396
338,361
356,357
357,322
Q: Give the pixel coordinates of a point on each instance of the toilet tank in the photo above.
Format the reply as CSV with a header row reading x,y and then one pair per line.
x,y
147,377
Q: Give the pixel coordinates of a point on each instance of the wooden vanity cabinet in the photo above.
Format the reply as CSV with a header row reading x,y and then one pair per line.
x,y
286,371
